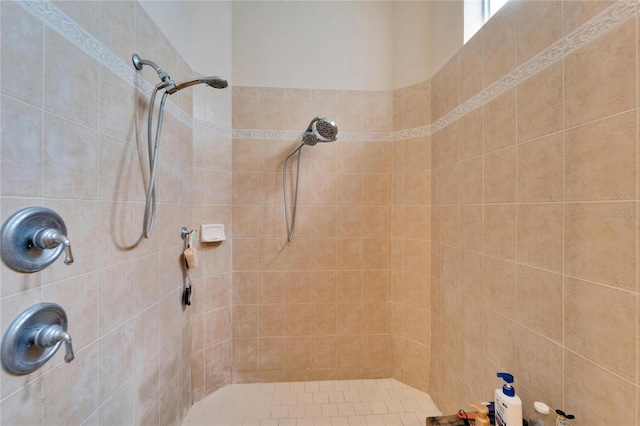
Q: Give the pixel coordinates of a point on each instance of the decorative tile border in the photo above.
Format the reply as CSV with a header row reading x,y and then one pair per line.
x,y
608,20
54,18
603,23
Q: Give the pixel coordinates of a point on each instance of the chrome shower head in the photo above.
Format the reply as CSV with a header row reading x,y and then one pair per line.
x,y
213,81
169,84
320,130
325,128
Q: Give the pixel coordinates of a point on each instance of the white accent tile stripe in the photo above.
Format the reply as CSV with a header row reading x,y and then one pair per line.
x,y
58,21
608,20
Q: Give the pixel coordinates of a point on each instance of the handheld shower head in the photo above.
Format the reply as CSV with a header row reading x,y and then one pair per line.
x,y
170,85
322,129
319,130
213,81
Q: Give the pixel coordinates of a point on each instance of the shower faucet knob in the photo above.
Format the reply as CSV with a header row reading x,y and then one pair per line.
x,y
49,336
50,238
33,238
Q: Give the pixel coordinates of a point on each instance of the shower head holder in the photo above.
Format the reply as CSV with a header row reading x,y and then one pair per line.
x,y
139,63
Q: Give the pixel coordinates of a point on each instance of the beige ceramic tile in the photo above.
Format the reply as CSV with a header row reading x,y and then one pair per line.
x,y
415,291
471,227
271,320
349,286
416,188
297,319
415,220
450,266
450,309
471,134
270,112
22,125
500,176
598,76
470,66
471,323
323,351
323,319
540,169
586,385
500,286
540,103
449,225
416,110
539,235
445,88
600,243
500,340
576,13
540,366
245,354
349,254
604,311
499,40
22,37
538,24
244,155
539,301
415,154
71,76
472,275
416,324
350,115
500,231
377,114
81,374
500,121
245,112
600,160
471,181
444,146
348,351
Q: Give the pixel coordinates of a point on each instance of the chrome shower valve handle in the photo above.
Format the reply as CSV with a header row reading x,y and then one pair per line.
x,y
50,238
33,238
49,336
33,337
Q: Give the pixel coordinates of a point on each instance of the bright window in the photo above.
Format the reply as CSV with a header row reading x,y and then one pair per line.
x,y
477,12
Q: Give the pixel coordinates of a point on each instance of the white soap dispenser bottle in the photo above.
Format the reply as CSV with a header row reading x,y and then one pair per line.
x,y
508,405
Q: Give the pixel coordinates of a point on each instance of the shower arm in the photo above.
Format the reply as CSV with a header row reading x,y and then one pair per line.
x,y
139,63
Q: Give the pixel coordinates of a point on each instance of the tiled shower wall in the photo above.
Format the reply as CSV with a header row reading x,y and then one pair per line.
x,y
534,217
410,296
315,308
74,139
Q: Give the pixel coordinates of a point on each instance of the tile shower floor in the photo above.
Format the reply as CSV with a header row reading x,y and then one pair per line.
x,y
377,402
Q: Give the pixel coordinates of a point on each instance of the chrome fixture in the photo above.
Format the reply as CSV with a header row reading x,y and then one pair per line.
x,y
319,130
33,238
170,87
34,337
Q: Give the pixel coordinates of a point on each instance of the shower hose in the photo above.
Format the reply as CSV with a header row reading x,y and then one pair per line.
x,y
295,197
150,204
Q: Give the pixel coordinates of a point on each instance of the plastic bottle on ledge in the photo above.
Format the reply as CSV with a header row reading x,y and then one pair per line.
x,y
562,418
508,404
